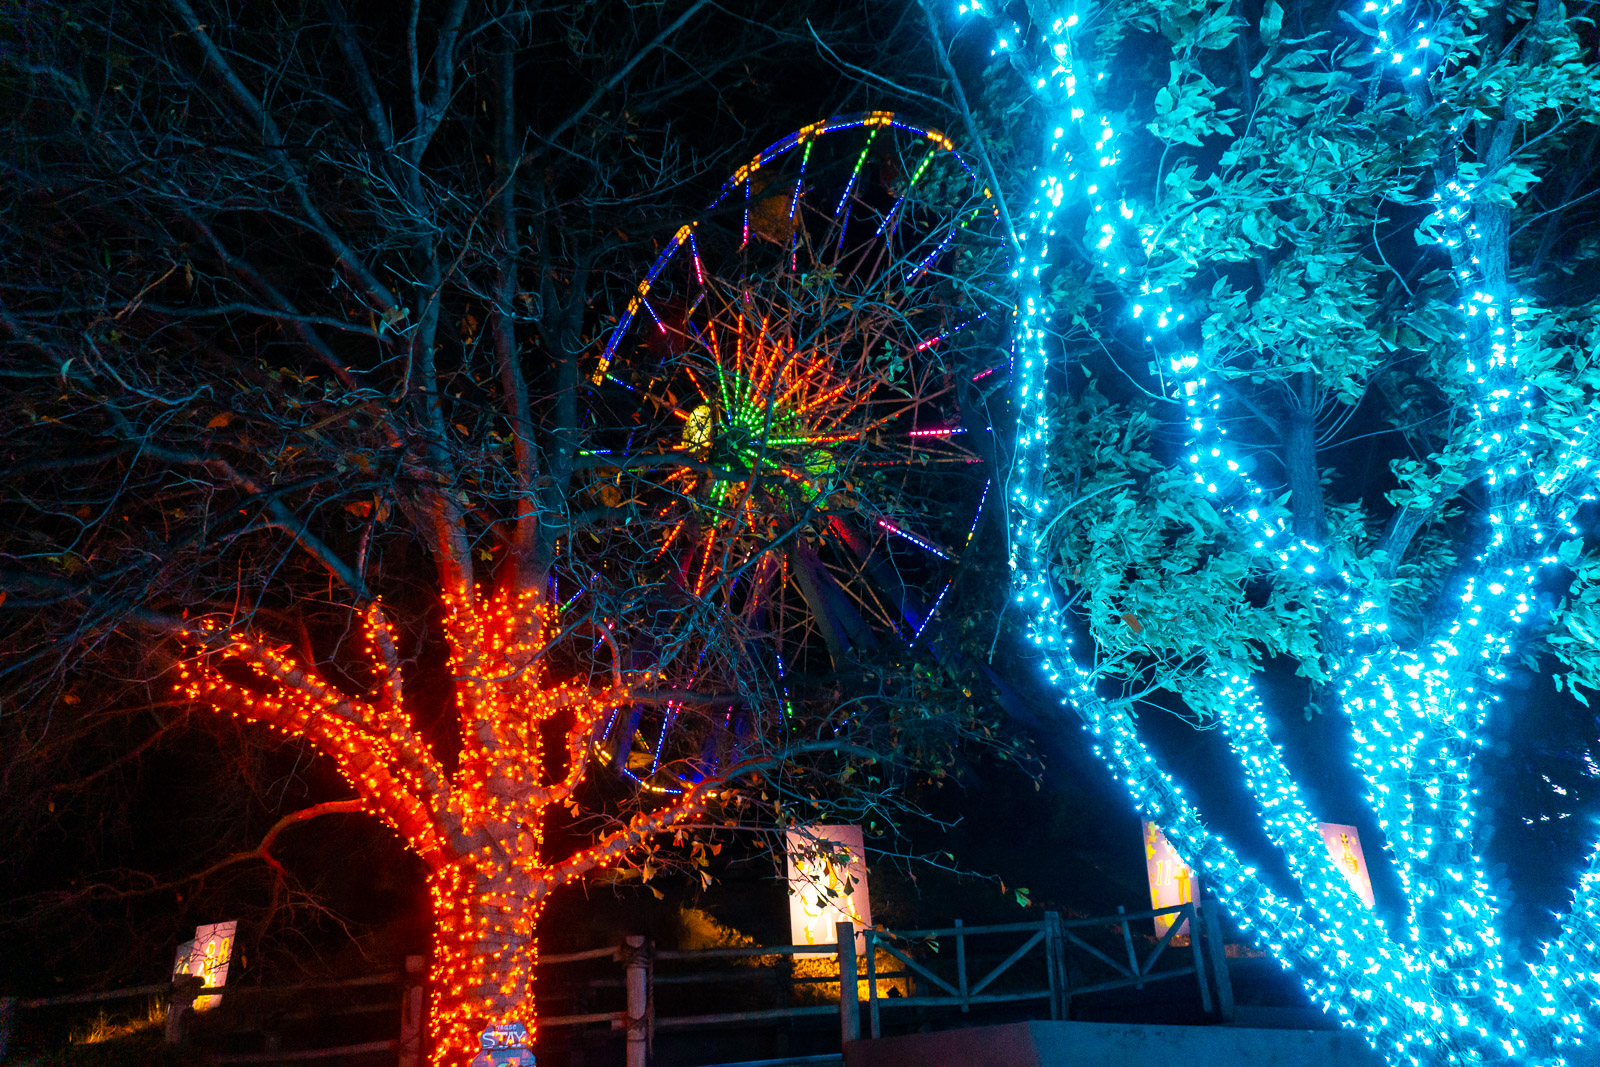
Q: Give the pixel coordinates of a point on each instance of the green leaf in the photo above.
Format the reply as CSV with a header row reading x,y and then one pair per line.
x,y
1271,21
1570,552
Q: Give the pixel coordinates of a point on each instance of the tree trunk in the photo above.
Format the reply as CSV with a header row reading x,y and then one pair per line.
x,y
1300,464
484,950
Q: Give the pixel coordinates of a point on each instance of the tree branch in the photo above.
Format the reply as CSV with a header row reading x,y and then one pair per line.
x,y
693,800
274,140
279,513
610,83
971,127
262,853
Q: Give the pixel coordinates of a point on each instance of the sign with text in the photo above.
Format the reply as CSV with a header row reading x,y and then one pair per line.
x,y
827,885
504,1045
1344,845
207,957
1171,880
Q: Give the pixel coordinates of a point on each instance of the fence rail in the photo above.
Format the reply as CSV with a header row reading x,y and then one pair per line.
x,y
1073,965
1056,940
180,995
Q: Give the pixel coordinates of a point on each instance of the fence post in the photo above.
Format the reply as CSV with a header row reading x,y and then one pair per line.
x,y
961,965
1193,919
180,1005
1127,939
849,1006
874,1029
784,973
1219,957
411,1013
1055,943
8,1011
635,961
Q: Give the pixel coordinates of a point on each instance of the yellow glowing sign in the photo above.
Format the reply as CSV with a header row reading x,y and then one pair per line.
x,y
207,956
1172,882
827,885
1344,845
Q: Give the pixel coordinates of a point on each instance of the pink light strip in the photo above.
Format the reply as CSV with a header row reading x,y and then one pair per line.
x,y
930,342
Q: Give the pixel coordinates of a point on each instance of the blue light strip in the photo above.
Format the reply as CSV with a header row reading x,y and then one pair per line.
x,y
1438,994
932,611
927,546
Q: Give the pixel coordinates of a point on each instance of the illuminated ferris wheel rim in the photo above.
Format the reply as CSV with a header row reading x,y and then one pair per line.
x,y
708,423
784,384
874,120
778,416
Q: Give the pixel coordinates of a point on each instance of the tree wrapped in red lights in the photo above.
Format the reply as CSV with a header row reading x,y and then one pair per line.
x,y
481,830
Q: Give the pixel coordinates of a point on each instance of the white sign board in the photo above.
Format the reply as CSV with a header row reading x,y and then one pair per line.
x,y
1344,845
207,956
827,885
1171,880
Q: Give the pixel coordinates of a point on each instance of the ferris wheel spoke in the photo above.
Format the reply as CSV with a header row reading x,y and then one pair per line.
x,y
832,609
800,180
977,514
880,589
872,603
927,261
926,619
894,212
799,364
927,546
931,341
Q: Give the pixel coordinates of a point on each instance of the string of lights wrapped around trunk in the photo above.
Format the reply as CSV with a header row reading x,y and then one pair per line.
x,y
1434,987
481,829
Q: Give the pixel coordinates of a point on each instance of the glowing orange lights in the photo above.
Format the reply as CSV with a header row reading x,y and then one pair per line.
x,y
768,410
480,829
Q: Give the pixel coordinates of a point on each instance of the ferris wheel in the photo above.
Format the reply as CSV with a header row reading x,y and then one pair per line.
x,y
784,391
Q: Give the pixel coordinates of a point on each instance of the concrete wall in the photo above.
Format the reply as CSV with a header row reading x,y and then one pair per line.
x,y
1068,1044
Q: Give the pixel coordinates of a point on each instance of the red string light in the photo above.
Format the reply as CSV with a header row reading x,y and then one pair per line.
x,y
481,829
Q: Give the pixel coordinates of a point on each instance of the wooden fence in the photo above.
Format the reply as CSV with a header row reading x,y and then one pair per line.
x,y
932,969
1050,961
179,997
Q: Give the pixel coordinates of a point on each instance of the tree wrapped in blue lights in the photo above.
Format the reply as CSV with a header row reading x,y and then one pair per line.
x,y
1264,233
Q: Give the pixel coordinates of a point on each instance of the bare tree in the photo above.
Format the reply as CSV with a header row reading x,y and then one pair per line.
x,y
303,312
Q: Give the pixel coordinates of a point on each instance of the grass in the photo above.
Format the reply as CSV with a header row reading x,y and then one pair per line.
x,y
114,1027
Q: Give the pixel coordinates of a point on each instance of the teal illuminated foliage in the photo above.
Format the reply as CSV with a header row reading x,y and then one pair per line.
x,y
1343,298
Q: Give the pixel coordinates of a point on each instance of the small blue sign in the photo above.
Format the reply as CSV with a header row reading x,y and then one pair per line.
x,y
504,1057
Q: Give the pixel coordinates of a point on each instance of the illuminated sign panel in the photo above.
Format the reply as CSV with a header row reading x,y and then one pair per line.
x,y
505,1045
1344,845
207,956
1172,882
827,885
